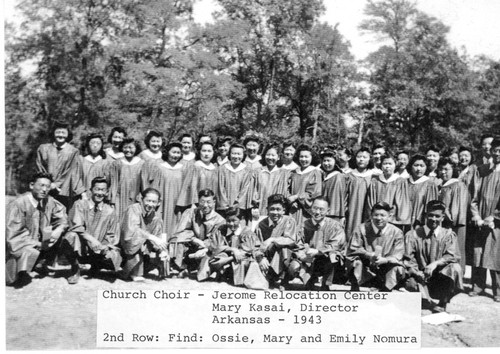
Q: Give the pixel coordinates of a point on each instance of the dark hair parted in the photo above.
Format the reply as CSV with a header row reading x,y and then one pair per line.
x,y
87,144
233,212
433,148
99,180
277,199
314,157
447,161
170,146
381,206
39,175
200,146
153,134
237,146
435,205
128,141
114,130
150,190
367,150
266,150
418,157
204,193
62,125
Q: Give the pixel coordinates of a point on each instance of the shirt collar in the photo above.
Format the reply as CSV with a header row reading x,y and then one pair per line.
x,y
376,229
321,223
209,216
241,167
60,147
92,205
34,202
437,231
222,161
209,167
256,159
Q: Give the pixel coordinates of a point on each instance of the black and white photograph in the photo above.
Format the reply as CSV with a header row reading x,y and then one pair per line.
x,y
251,174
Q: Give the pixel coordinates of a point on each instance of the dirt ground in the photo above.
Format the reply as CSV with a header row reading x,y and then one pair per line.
x,y
50,314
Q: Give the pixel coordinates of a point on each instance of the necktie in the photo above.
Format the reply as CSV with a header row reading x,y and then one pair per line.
x,y
39,207
95,221
433,246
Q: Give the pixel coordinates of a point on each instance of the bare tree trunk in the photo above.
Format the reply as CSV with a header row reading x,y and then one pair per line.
x,y
361,127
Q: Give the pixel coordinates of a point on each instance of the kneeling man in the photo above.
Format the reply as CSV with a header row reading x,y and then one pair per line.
x,y
432,259
375,252
35,222
94,232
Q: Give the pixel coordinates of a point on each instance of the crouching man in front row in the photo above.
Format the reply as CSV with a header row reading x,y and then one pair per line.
x,y
141,237
432,259
322,244
35,222
93,232
375,252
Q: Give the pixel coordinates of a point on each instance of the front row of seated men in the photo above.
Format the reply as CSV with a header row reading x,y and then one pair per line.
x,y
377,254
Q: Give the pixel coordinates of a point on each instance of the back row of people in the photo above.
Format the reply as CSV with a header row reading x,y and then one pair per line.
x,y
247,181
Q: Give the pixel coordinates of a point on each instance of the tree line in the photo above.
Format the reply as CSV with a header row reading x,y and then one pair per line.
x,y
268,66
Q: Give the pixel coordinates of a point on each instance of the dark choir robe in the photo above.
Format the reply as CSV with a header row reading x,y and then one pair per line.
x,y
306,185
467,177
335,191
28,231
266,183
328,237
125,183
198,176
393,192
134,232
193,224
221,244
357,189
364,243
423,248
456,198
420,192
168,180
101,224
233,186
486,206
285,235
92,168
63,164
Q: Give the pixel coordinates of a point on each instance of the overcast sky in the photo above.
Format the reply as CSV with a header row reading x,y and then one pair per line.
x,y
474,24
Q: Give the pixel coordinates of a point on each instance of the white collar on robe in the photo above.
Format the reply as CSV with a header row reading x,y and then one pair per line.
x,y
222,161
376,171
89,158
155,155
189,156
367,173
291,166
266,170
331,174
177,166
451,181
346,169
418,181
382,178
256,159
464,171
405,174
432,174
437,231
114,155
241,167
200,163
307,170
134,161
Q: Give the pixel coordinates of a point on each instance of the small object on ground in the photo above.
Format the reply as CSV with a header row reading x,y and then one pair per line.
x,y
441,318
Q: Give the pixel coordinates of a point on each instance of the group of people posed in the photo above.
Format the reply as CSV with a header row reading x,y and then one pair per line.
x,y
261,216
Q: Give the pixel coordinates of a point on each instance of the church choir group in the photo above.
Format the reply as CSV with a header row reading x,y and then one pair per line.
x,y
285,217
